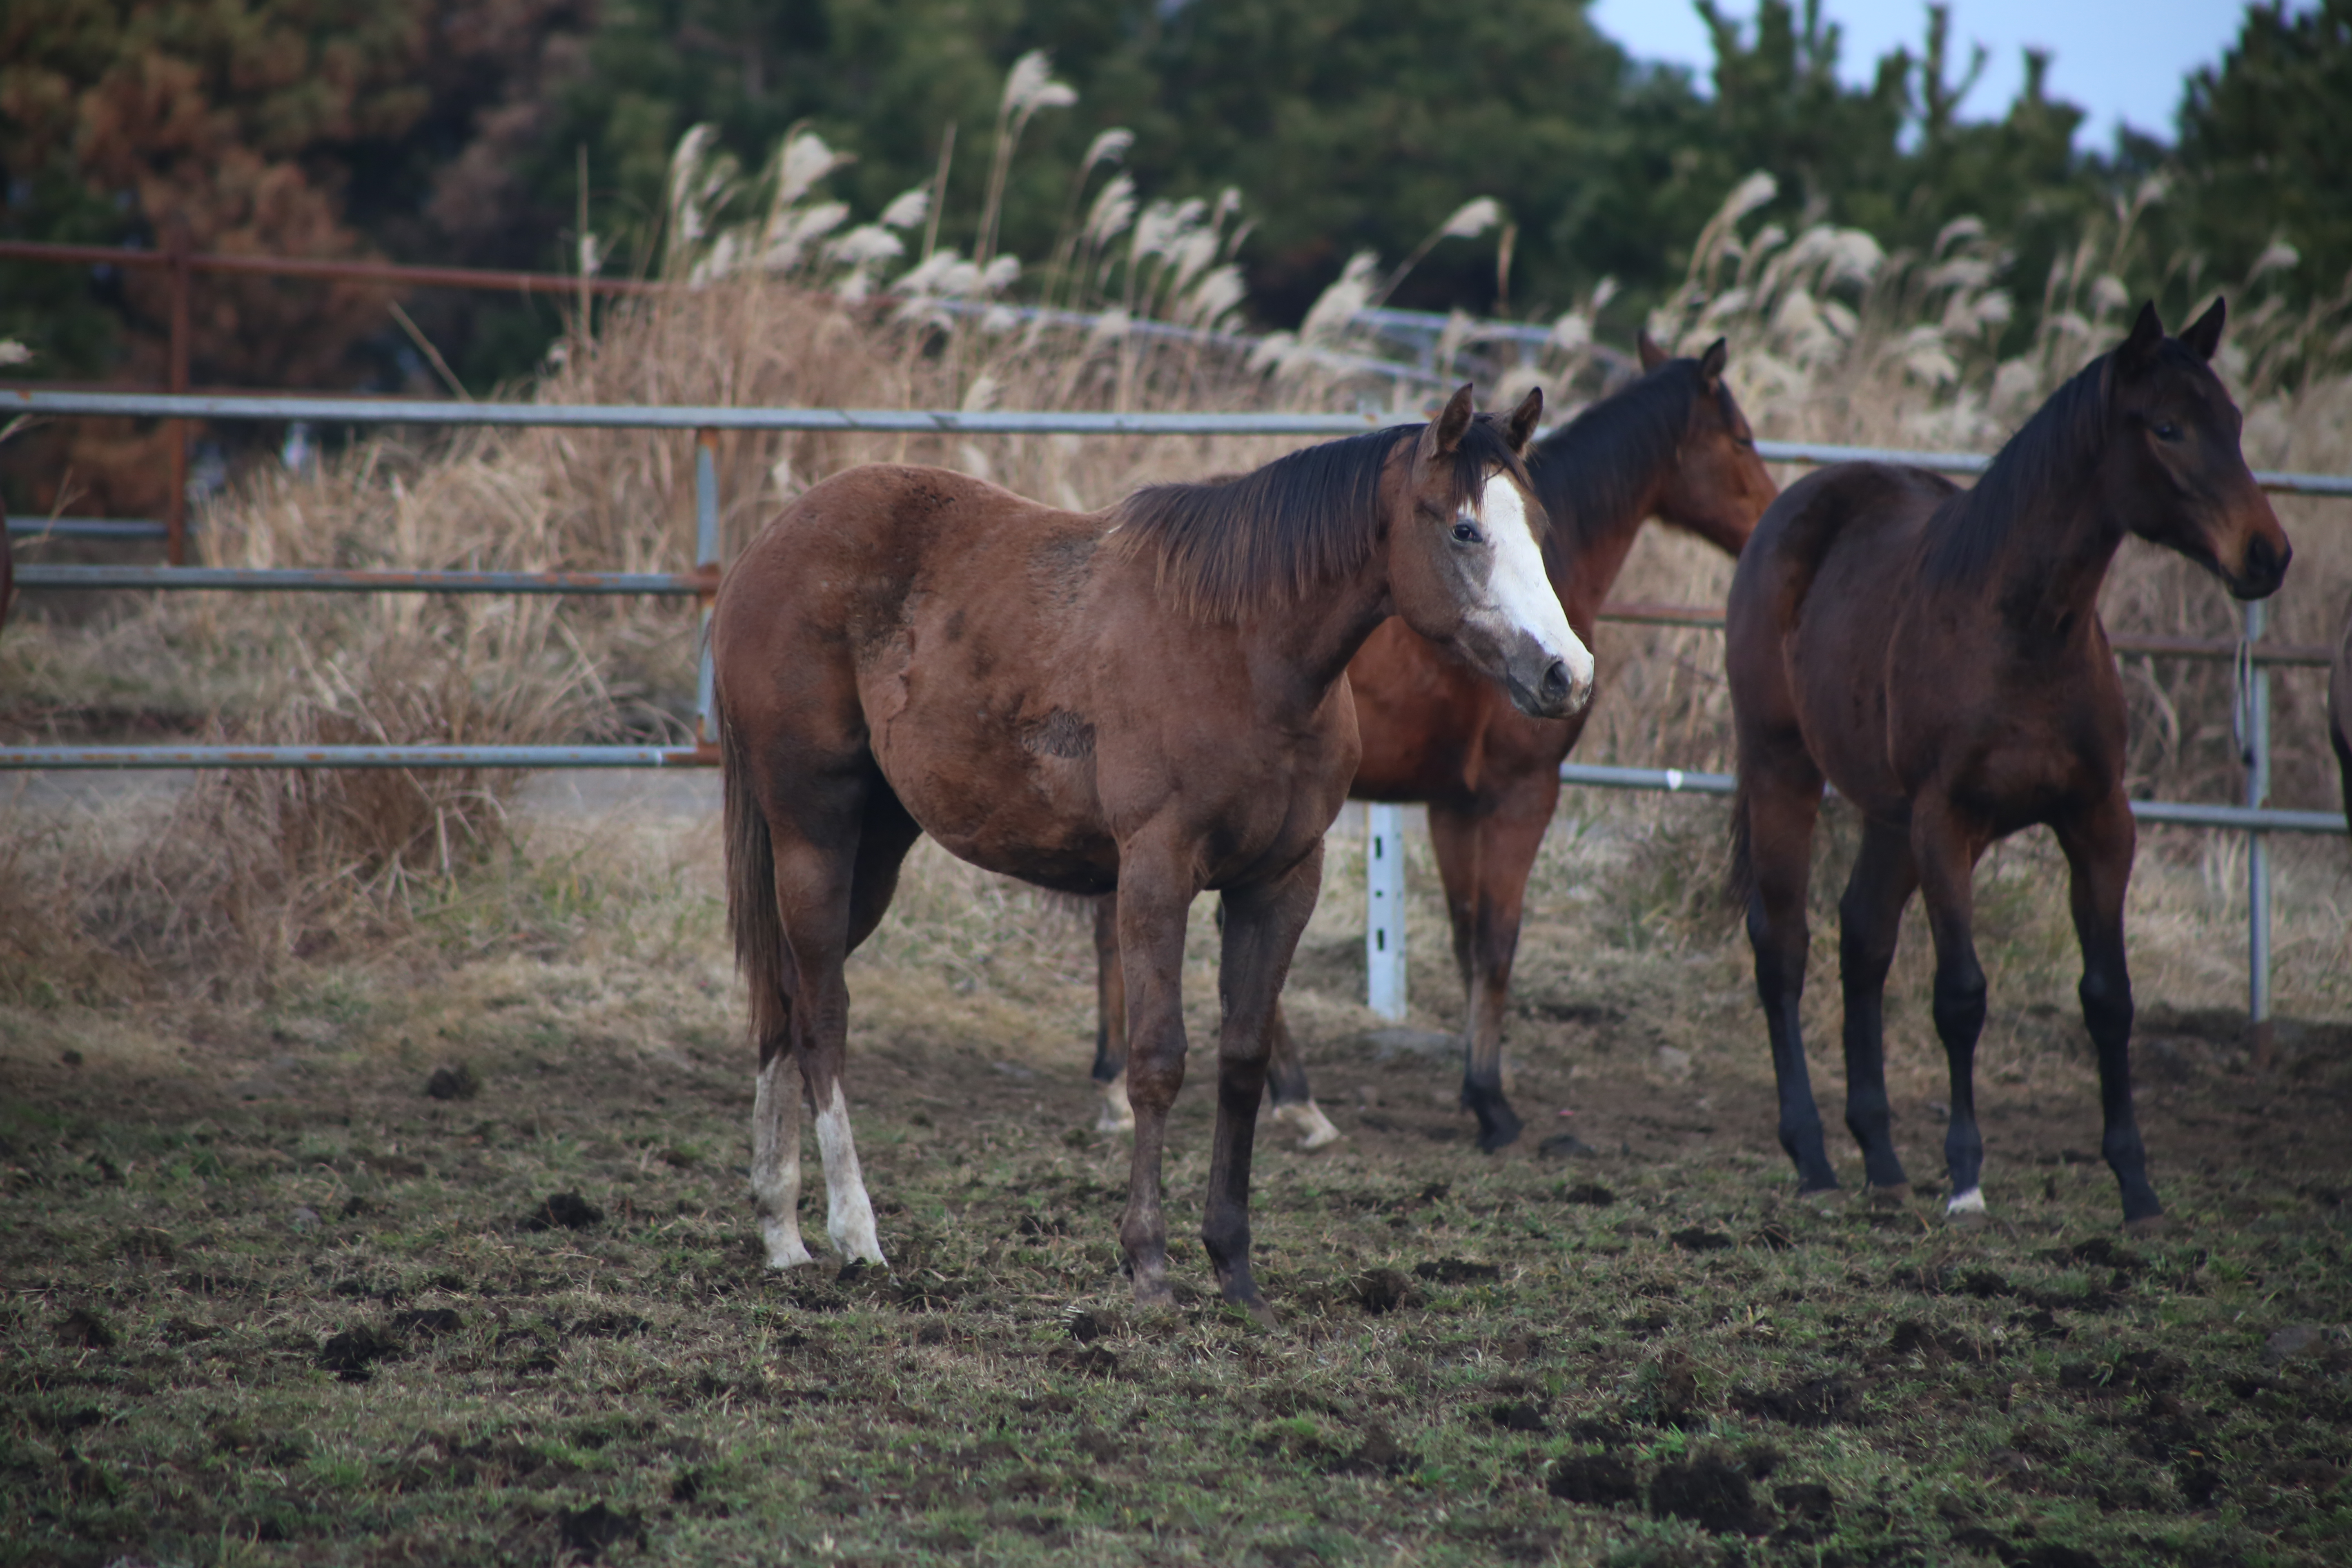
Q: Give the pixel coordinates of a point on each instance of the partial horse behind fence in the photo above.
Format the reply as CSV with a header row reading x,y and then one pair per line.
x,y
1150,701
1937,655
2339,715
1672,444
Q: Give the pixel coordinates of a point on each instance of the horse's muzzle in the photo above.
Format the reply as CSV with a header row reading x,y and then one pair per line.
x,y
1556,693
2261,570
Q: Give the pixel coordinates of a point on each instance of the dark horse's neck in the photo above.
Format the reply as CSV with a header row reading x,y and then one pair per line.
x,y
2034,533
1599,476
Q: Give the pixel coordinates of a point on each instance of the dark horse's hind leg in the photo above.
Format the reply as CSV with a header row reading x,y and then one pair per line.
x,y
1870,918
1261,929
1110,1021
1483,859
1781,797
1946,853
2098,846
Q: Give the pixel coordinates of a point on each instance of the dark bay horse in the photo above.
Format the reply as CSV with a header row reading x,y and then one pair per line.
x,y
1672,444
1150,701
1937,655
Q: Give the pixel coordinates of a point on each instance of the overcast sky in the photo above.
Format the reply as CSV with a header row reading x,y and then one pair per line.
x,y
2122,61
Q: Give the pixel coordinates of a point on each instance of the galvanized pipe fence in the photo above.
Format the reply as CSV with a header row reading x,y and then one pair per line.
x,y
1384,935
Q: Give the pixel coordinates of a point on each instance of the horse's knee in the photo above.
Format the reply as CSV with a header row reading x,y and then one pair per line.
x,y
2107,1004
1961,1001
1864,955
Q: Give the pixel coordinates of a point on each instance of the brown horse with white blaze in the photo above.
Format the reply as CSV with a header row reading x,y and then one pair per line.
x,y
1672,444
1151,699
1937,655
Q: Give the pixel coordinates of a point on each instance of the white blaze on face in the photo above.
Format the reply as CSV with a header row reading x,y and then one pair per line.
x,y
1518,590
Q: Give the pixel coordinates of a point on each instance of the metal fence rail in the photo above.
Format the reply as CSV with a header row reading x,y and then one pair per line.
x,y
337,580
2255,818
894,422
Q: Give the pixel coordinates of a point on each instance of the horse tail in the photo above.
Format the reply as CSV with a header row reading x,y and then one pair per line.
x,y
753,917
1739,878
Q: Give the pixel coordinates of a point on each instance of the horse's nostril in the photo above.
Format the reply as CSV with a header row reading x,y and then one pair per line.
x,y
1555,681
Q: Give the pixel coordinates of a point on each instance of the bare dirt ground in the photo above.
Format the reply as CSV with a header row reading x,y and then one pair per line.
x,y
277,1294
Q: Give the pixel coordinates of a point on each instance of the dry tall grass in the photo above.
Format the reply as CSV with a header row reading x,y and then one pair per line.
x,y
1833,339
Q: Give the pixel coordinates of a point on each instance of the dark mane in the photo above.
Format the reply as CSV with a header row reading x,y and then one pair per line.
x,y
1270,537
2052,446
1592,471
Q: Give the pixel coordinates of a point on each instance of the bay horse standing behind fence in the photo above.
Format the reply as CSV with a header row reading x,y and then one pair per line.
x,y
1937,655
1672,444
1153,699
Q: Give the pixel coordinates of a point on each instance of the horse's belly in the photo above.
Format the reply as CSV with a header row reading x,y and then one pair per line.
x,y
1017,799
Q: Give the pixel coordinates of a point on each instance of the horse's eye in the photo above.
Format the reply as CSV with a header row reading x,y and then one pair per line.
x,y
1464,532
2165,430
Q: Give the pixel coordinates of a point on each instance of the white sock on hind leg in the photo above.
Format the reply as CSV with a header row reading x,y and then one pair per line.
x,y
849,1213
776,1161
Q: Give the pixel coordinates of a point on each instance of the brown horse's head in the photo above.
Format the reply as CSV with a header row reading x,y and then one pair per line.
x,y
1718,486
2176,474
1465,557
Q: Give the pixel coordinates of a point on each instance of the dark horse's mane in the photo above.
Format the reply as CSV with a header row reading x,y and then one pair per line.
x,y
1592,471
1970,527
1243,542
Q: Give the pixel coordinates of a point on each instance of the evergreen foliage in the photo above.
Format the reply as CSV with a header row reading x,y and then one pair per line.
x,y
449,132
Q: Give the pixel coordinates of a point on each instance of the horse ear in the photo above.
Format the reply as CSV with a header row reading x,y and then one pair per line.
x,y
1521,429
2204,334
1652,356
1711,363
1444,432
2147,331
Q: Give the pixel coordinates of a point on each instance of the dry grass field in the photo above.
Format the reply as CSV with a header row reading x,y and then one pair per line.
x,y
374,1145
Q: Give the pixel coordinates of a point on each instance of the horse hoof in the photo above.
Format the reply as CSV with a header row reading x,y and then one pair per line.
x,y
1307,1120
1112,1120
2148,1225
1966,1208
1890,1196
1826,1190
1497,1129
1259,1313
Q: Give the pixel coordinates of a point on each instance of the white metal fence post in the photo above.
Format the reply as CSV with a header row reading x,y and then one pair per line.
x,y
705,563
1384,910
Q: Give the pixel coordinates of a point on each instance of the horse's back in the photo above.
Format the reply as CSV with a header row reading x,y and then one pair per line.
x,y
1854,520
1814,601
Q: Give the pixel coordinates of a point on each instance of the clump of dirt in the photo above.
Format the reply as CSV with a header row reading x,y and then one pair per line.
x,y
1596,1480
1710,1492
86,1328
352,1354
565,1211
1383,1290
589,1532
1816,1402
453,1083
